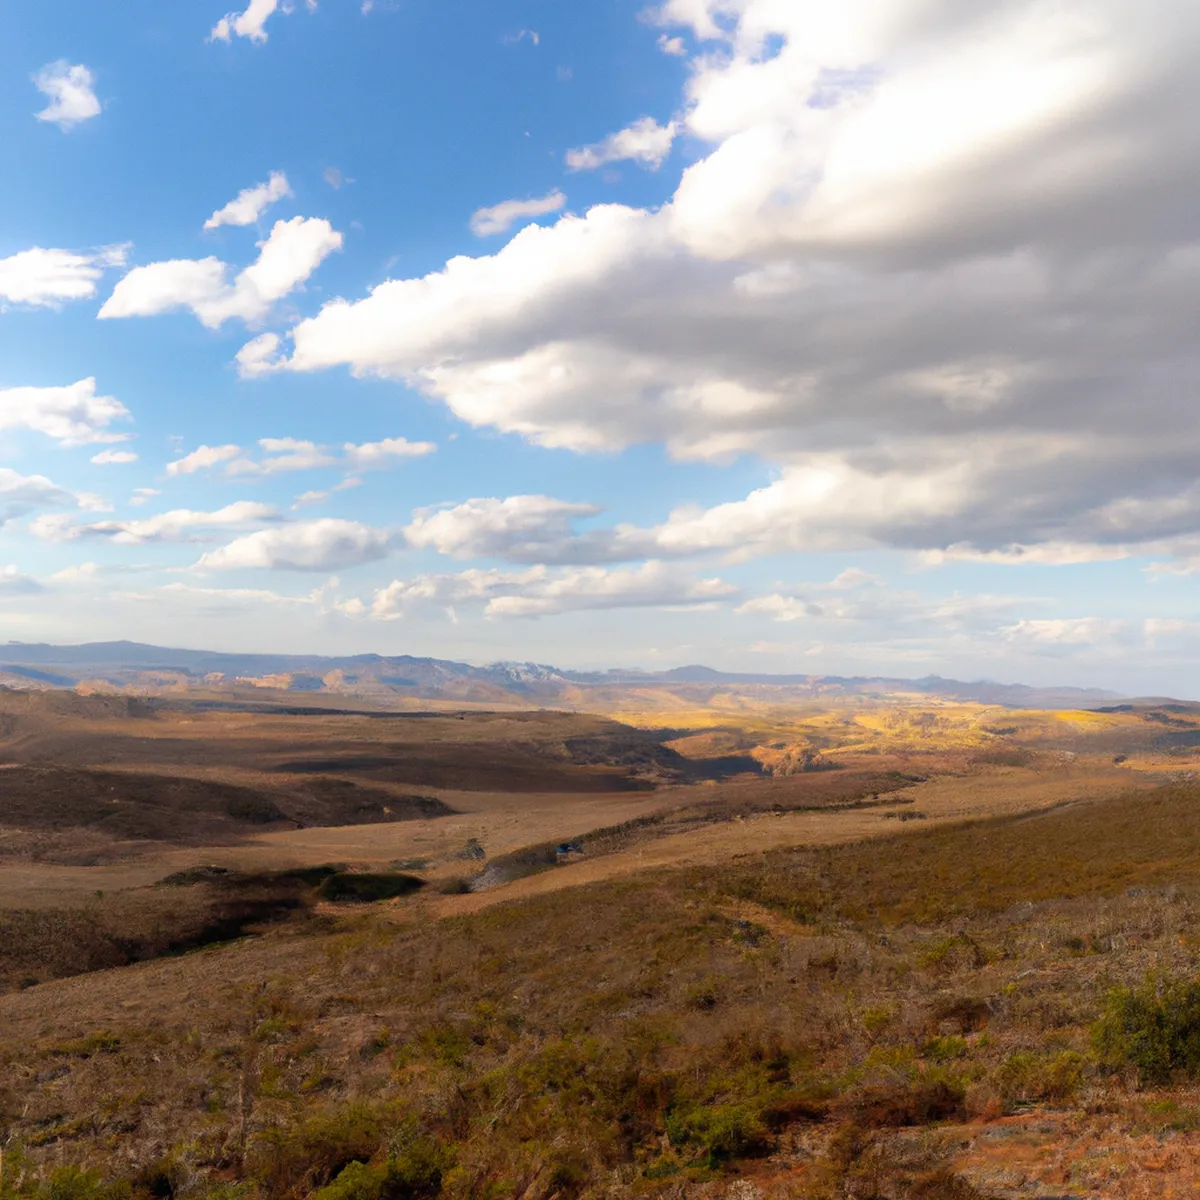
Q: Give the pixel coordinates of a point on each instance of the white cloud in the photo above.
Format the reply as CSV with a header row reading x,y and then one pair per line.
x,y
251,202
142,495
79,573
403,597
73,415
249,24
518,528
47,278
22,494
855,597
370,456
307,498
14,582
672,45
235,600
1069,632
500,218
291,253
178,525
259,356
189,602
69,88
512,39
202,458
294,454
934,272
649,585
645,142
538,591
282,454
114,457
323,545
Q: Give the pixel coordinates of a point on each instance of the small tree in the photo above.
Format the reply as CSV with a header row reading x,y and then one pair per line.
x,y
1153,1028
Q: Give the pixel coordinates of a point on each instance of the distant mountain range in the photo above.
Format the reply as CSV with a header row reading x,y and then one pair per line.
x,y
136,667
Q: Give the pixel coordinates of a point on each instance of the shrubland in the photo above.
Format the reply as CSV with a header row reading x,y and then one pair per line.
x,y
860,1021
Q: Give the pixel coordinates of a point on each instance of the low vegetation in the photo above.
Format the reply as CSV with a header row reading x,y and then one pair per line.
x,y
842,1022
971,1012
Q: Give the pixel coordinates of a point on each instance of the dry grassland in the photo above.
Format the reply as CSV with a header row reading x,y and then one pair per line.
x,y
851,952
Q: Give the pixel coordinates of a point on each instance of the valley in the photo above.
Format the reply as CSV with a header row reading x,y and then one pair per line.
x,y
360,952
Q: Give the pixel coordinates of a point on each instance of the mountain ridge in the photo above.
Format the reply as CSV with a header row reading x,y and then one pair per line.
x,y
137,666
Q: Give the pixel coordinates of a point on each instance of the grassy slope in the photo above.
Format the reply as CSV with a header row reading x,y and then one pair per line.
x,y
792,1017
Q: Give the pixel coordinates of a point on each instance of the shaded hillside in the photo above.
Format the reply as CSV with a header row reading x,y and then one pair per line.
x,y
78,816
314,766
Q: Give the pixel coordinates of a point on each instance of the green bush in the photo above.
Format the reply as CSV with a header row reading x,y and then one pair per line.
x,y
718,1132
945,1049
416,1167
1153,1028
1028,1077
357,1181
316,1151
70,1183
413,1171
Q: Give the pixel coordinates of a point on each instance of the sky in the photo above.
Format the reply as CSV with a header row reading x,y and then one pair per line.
x,y
775,335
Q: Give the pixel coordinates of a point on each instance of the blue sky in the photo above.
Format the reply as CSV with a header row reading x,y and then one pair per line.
x,y
849,342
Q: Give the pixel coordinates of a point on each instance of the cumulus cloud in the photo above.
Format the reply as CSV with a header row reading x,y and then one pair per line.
x,y
939,274
649,585
539,591
73,415
284,454
250,203
854,597
323,545
249,24
291,253
14,582
259,356
672,45
1070,632
202,458
69,89
22,494
500,218
307,498
369,456
1170,630
114,457
530,529
178,525
645,142
46,278
315,497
